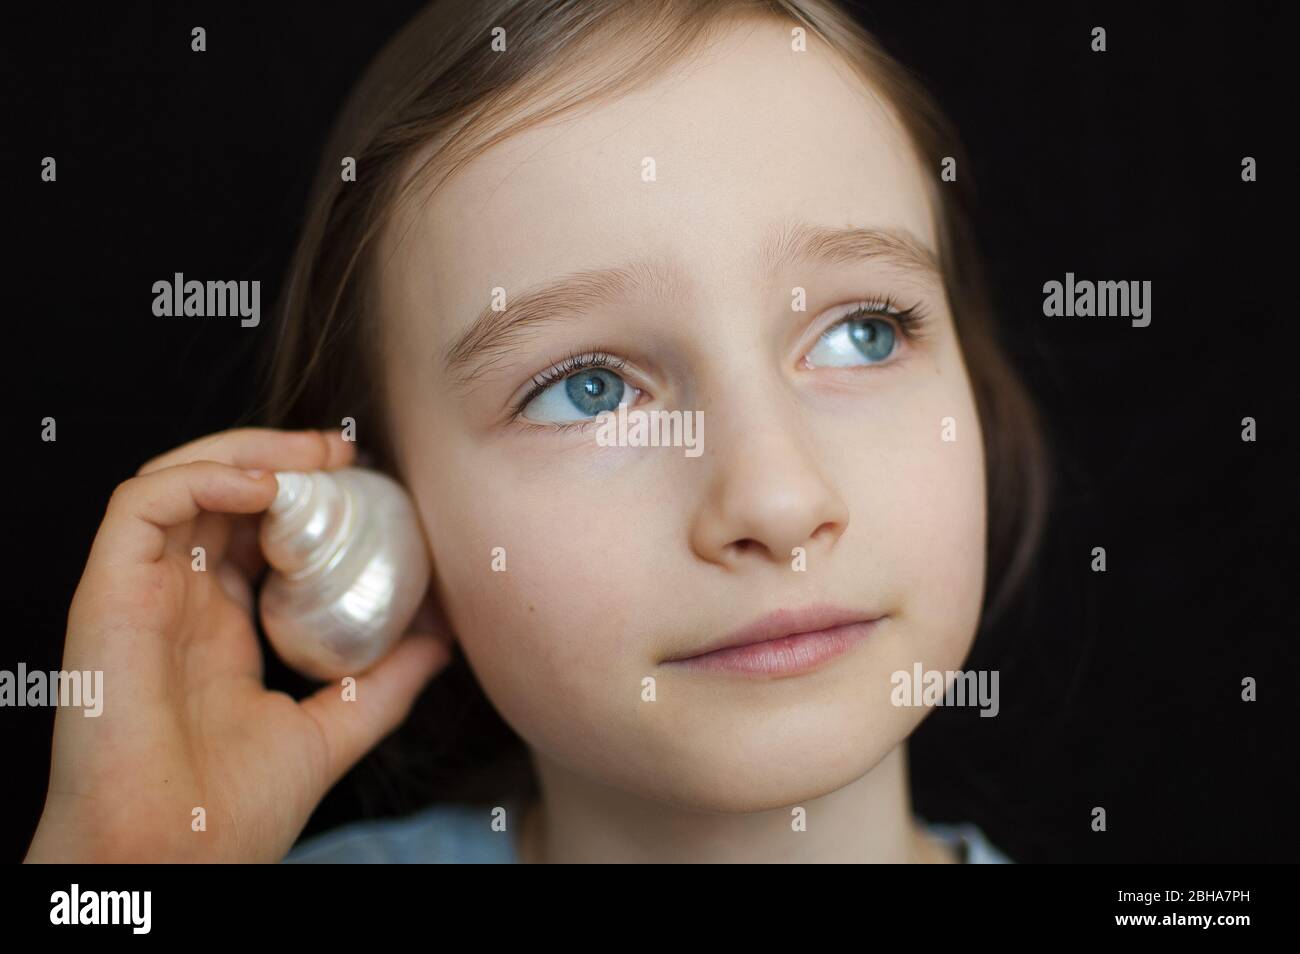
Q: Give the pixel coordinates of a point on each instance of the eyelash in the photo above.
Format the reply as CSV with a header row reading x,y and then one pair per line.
x,y
910,321
571,363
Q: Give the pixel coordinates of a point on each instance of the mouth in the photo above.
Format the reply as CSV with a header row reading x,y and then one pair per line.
x,y
784,643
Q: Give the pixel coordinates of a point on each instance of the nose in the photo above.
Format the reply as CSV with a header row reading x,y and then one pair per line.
x,y
767,494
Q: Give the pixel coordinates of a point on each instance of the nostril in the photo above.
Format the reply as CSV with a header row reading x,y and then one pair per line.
x,y
829,528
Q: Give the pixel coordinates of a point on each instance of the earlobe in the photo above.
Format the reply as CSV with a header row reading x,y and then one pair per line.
x,y
430,618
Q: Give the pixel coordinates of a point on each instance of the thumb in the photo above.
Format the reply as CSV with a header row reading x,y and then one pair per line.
x,y
384,695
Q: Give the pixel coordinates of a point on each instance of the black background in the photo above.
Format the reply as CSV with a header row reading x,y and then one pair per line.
x,y
1119,690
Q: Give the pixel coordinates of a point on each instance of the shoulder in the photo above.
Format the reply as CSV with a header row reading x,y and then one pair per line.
x,y
440,834
968,838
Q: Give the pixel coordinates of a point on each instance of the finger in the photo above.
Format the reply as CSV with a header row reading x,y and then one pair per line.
x,y
142,509
236,586
262,448
212,531
384,697
244,549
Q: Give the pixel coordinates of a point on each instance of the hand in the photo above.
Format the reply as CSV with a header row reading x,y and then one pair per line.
x,y
186,722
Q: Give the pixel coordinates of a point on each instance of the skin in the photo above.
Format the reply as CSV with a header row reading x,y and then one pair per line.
x,y
619,557
192,758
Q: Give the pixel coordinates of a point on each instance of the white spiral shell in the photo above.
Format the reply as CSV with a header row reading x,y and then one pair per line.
x,y
349,569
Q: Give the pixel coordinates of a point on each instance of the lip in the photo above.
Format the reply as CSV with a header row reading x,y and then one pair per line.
x,y
783,643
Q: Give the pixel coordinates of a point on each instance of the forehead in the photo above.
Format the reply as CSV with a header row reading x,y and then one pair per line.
x,y
745,136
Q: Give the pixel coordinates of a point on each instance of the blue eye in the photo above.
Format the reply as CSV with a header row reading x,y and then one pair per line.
x,y
580,395
854,341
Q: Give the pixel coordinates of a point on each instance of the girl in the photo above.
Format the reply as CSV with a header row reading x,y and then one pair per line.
x,y
733,210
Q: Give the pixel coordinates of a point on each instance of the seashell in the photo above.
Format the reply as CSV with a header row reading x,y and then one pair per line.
x,y
349,569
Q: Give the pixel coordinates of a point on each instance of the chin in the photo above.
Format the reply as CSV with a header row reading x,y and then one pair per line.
x,y
765,771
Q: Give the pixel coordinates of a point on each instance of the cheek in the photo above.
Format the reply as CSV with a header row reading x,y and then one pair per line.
x,y
932,530
541,587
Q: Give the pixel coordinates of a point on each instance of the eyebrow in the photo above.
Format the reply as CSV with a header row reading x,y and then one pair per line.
x,y
492,333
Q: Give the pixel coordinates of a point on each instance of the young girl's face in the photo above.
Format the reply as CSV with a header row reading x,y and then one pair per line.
x,y
841,463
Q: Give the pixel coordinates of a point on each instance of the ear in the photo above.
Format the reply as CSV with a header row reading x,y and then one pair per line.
x,y
430,618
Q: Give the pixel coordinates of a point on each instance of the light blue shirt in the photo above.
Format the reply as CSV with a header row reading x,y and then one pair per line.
x,y
462,834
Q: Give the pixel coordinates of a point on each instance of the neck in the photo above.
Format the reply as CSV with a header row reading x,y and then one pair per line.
x,y
867,821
